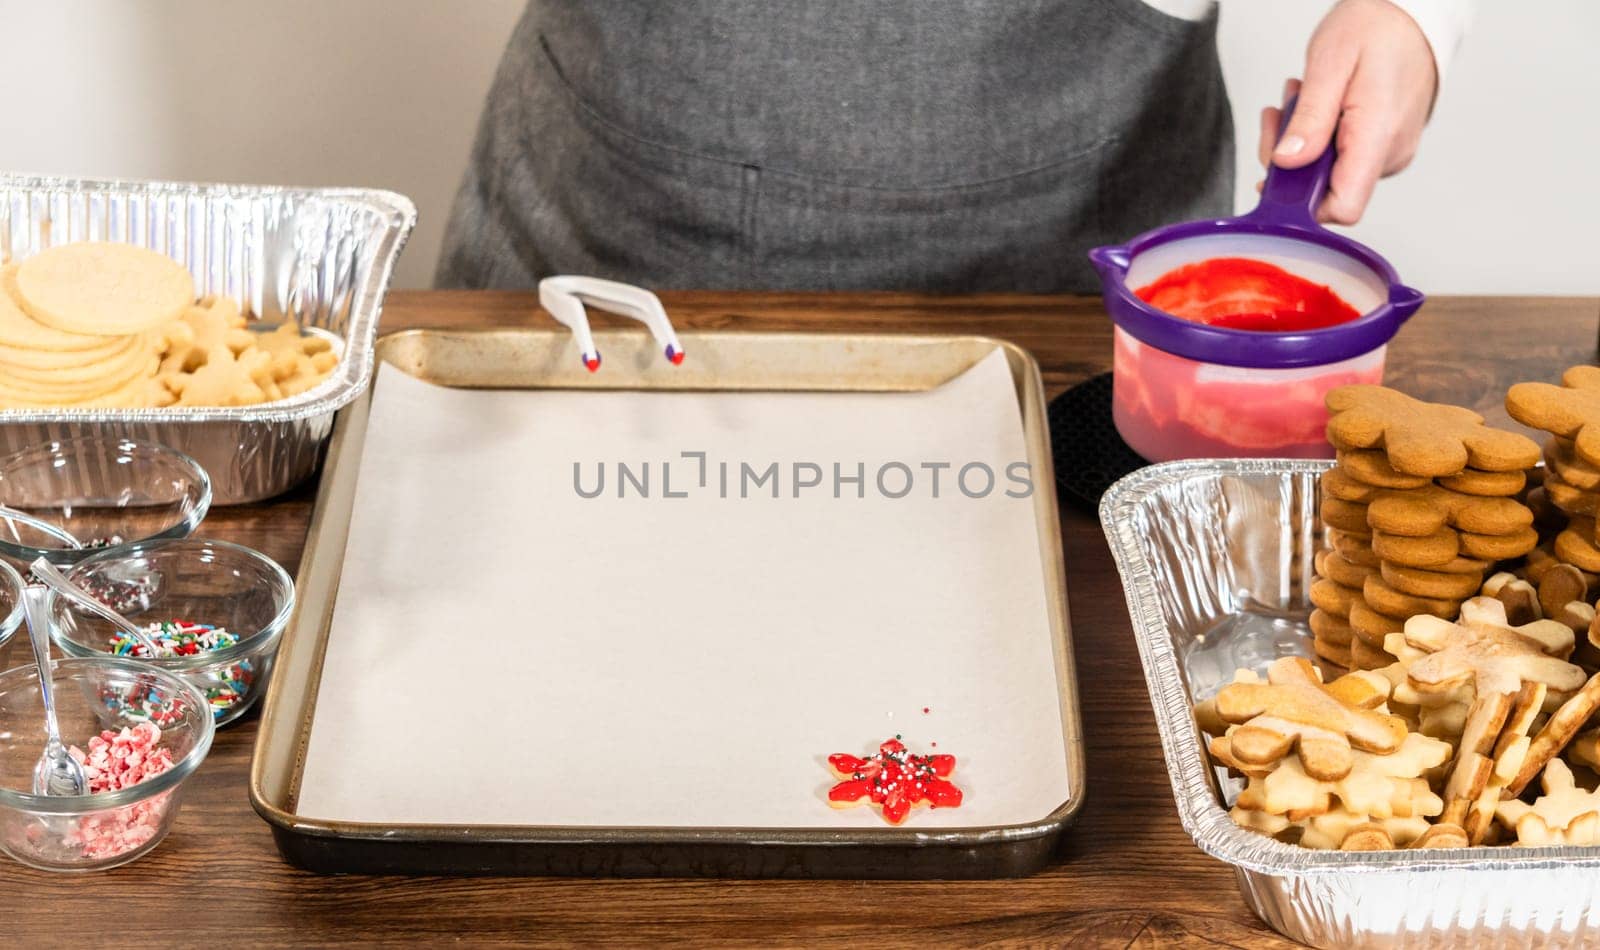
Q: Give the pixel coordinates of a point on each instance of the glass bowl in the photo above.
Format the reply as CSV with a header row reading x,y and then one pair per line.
x,y
105,829
99,489
191,579
10,603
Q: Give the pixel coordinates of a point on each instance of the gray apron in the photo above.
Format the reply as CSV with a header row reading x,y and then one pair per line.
x,y
838,144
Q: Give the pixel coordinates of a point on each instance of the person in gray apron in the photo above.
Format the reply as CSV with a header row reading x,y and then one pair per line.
x,y
839,144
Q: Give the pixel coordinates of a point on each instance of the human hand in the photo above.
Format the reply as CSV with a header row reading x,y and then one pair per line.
x,y
1370,70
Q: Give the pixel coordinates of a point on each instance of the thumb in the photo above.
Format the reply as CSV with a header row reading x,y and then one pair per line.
x,y
1317,111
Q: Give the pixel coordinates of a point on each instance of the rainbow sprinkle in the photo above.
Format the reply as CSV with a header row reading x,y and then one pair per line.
x,y
174,638
231,684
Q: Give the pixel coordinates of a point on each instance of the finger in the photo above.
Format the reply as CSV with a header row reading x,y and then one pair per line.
x,y
1261,185
1328,71
1271,117
1272,121
1363,146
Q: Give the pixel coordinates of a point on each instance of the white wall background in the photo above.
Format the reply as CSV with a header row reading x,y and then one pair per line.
x,y
1503,197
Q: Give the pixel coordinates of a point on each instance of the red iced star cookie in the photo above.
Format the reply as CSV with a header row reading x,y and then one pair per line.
x,y
894,780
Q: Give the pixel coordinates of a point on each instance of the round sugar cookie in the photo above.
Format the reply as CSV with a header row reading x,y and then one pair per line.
x,y
22,332
14,358
112,367
111,375
97,287
137,393
70,394
68,398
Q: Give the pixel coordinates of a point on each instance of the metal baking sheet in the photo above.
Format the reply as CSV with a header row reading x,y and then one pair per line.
x,y
1215,558
851,848
319,256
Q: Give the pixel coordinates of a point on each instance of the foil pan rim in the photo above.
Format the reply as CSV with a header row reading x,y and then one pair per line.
x,y
335,393
1188,765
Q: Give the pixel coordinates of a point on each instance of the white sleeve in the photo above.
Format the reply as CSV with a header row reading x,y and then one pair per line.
x,y
1443,23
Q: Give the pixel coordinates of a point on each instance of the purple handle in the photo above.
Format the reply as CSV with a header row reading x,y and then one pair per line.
x,y
1291,195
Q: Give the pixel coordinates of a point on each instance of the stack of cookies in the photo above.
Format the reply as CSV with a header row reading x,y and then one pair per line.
x,y
1421,505
103,325
1571,414
64,342
1459,584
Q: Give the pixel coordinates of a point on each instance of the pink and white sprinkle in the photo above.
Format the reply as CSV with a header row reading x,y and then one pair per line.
x,y
114,761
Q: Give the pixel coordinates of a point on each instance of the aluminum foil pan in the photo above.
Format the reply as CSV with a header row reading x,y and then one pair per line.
x,y
1215,558
319,256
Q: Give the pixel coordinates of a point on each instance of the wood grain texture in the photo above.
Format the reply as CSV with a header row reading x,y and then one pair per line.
x,y
1128,875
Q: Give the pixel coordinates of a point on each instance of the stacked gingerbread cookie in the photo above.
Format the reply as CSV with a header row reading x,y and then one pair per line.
x,y
1423,502
1459,582
1571,414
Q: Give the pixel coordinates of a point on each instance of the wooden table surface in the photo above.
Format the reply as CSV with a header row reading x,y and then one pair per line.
x,y
1127,874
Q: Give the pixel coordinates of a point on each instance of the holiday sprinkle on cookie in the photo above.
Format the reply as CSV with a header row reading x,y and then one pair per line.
x,y
894,781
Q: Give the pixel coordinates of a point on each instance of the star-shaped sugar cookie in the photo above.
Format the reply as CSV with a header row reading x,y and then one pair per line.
x,y
1295,712
225,379
1564,814
1484,649
210,325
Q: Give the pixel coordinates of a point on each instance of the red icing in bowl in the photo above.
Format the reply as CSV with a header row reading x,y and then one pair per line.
x,y
1167,406
1243,294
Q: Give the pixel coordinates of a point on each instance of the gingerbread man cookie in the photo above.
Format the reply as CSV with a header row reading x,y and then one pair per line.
x,y
1421,438
1423,511
1570,410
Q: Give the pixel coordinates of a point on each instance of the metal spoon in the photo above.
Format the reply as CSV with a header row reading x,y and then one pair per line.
x,y
55,531
58,582
57,773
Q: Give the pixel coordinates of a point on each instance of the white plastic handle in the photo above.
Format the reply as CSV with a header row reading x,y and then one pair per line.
x,y
565,296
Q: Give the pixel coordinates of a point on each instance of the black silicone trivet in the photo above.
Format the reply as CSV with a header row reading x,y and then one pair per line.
x,y
1089,455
